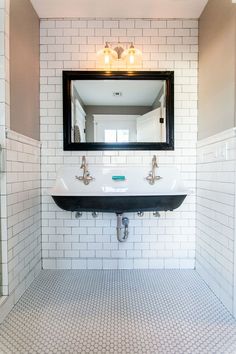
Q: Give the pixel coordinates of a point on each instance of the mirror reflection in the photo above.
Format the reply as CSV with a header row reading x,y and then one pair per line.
x,y
118,111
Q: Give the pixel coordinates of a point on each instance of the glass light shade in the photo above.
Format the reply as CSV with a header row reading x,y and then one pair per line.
x,y
106,56
118,57
132,56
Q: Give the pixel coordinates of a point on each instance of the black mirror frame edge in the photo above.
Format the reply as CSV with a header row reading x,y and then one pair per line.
x,y
68,76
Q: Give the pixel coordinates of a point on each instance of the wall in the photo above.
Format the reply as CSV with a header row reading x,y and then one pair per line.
x,y
20,191
215,239
91,110
168,242
4,122
217,63
23,216
24,64
23,203
216,167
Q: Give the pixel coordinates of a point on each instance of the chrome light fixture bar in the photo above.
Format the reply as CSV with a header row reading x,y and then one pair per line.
x,y
115,52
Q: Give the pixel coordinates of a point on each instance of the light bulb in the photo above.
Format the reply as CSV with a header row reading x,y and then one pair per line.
x,y
131,58
106,59
131,54
118,56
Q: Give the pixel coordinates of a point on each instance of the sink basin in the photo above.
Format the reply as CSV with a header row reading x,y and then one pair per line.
x,y
118,189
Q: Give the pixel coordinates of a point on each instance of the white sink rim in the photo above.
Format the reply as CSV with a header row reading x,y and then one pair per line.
x,y
68,185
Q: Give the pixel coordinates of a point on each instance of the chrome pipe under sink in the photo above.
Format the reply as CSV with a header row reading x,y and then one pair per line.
x,y
122,228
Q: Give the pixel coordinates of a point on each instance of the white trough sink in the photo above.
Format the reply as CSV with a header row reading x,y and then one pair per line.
x,y
130,193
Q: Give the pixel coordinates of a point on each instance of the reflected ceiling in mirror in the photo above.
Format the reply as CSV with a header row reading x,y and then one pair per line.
x,y
118,110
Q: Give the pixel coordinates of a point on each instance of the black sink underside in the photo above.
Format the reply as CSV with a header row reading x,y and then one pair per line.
x,y
119,204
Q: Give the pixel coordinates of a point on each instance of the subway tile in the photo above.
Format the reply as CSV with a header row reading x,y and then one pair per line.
x,y
215,231
98,236
94,264
23,228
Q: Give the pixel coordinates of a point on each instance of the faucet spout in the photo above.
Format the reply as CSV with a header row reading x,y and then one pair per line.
x,y
84,163
86,178
154,162
152,178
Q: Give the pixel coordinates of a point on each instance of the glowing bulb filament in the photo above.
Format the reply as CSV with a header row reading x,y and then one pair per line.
x,y
131,59
106,59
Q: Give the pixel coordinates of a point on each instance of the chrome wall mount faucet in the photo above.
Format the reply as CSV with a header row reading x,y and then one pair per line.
x,y
152,178
86,178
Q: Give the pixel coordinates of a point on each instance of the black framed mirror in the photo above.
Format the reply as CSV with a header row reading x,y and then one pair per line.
x,y
118,110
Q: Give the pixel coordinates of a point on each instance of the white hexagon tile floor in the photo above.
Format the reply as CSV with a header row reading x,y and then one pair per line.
x,y
118,311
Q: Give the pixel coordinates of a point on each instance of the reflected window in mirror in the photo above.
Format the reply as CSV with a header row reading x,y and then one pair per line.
x,y
118,110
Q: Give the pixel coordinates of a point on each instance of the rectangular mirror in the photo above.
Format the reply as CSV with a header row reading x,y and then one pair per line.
x,y
118,110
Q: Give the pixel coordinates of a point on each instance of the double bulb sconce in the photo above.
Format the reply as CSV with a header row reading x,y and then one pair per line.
x,y
119,56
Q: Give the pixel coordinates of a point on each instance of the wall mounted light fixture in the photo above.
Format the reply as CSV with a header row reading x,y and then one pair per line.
x,y
116,53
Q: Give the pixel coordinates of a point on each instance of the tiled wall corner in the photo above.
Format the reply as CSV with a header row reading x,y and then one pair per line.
x,y
23,210
216,182
168,242
22,235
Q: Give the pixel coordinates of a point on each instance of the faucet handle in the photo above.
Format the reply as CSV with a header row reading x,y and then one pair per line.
x,y
89,178
85,179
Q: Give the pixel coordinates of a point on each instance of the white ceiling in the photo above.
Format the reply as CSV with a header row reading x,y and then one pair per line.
x,y
133,92
119,8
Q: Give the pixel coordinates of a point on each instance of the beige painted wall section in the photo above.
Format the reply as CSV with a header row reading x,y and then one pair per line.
x,y
217,60
24,68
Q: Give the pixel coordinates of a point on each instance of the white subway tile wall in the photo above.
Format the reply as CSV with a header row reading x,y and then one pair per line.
x,y
168,242
216,167
23,209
